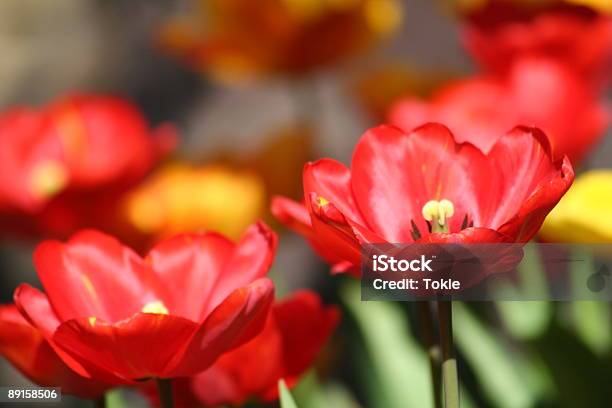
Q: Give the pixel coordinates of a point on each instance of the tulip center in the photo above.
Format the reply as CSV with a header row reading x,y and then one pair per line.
x,y
437,213
155,307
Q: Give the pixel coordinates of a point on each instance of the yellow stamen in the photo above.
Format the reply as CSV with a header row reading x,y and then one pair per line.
x,y
92,321
438,212
155,307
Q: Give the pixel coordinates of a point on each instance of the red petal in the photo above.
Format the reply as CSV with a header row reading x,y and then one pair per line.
x,y
250,260
395,174
295,331
140,347
292,214
189,265
305,325
235,321
335,234
245,372
94,275
35,307
467,236
331,180
295,216
532,182
26,348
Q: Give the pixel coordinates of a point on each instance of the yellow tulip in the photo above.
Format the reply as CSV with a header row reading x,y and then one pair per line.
x,y
603,6
584,214
180,198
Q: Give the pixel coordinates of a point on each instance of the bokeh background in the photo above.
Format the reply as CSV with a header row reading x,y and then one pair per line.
x,y
245,138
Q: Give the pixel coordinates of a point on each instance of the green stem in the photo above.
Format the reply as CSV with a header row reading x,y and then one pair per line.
x,y
433,350
100,402
164,388
450,377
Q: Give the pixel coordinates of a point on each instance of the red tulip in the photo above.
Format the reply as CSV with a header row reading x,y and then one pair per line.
x,y
295,331
118,317
481,109
574,36
399,179
70,154
26,348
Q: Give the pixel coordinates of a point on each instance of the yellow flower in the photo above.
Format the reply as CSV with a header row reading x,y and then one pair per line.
x,y
603,6
181,198
584,214
241,39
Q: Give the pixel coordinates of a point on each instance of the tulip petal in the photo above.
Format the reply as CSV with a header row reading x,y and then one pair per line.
x,y
292,214
235,321
137,348
331,181
35,307
250,260
394,174
305,325
26,348
295,332
533,183
189,265
94,275
295,216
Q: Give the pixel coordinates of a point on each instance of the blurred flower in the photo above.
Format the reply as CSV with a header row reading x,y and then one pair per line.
x,y
296,330
481,109
26,348
401,184
603,6
237,39
378,88
575,37
572,219
122,318
525,6
180,198
78,147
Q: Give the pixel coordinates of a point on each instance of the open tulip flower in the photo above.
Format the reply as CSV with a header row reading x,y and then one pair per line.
x,y
425,186
576,37
113,316
481,109
25,346
234,40
71,154
295,331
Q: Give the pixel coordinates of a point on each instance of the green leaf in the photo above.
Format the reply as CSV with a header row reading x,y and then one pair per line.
x,y
591,320
530,319
286,400
508,379
400,366
310,393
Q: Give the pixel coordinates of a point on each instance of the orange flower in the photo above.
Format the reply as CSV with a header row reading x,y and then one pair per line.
x,y
237,39
182,198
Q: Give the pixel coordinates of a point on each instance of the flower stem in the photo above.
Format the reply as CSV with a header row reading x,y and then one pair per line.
x,y
450,377
100,402
164,388
433,350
